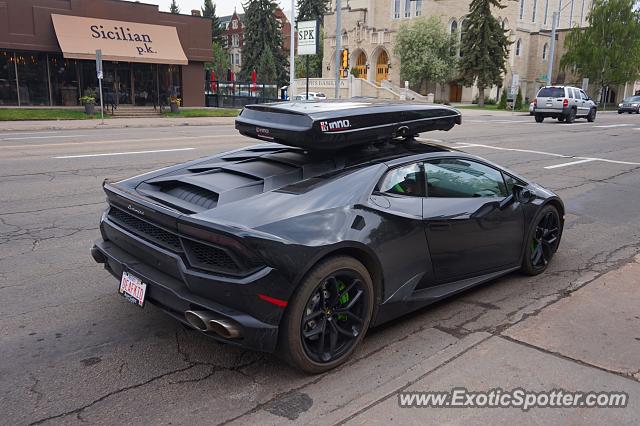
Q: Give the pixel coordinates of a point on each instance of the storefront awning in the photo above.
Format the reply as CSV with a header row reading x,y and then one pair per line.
x,y
79,38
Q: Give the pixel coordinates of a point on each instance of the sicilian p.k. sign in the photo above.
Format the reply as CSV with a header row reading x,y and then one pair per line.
x,y
79,37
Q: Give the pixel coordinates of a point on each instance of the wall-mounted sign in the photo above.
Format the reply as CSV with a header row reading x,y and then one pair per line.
x,y
308,37
80,37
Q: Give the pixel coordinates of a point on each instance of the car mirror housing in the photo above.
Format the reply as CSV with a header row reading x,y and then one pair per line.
x,y
522,194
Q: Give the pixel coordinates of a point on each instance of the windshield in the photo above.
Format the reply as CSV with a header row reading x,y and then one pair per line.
x,y
630,99
551,92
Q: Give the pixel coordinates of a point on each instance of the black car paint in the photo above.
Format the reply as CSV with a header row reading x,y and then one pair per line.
x,y
292,228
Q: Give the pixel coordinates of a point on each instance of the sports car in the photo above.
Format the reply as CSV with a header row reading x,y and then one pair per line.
x,y
287,249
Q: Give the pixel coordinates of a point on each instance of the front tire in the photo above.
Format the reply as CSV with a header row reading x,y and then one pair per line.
x,y
542,241
592,115
328,316
539,118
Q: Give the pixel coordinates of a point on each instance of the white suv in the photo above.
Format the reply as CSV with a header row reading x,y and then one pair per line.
x,y
566,103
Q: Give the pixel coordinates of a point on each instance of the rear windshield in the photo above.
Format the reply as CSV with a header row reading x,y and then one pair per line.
x,y
551,92
632,99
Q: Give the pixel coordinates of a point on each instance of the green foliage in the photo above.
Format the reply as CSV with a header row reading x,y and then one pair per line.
x,y
220,62
427,51
266,68
308,10
209,11
503,100
484,48
518,102
607,50
173,7
263,33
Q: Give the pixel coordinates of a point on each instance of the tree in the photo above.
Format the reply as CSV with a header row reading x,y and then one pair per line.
x,y
503,100
517,104
607,51
173,8
262,33
484,48
209,11
310,10
427,51
221,61
266,67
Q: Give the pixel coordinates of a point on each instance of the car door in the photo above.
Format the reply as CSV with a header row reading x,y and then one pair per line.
x,y
468,231
399,238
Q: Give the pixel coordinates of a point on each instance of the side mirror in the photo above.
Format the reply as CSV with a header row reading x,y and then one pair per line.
x,y
523,195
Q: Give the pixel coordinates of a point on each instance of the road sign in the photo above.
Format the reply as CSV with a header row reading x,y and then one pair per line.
x,y
308,37
99,63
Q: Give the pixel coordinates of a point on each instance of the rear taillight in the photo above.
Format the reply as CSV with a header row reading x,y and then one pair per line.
x,y
565,103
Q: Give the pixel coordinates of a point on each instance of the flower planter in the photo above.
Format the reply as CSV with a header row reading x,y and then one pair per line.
x,y
174,107
89,109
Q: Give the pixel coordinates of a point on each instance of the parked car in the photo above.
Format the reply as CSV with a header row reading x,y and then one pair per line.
x,y
341,222
565,103
313,96
630,104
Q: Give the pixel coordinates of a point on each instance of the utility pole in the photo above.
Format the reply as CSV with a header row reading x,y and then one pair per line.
x,y
554,26
338,42
292,56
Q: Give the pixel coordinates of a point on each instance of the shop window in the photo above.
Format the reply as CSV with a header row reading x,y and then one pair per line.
x,y
32,79
64,78
8,88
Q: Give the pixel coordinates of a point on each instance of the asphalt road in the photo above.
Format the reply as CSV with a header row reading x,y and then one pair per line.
x,y
72,350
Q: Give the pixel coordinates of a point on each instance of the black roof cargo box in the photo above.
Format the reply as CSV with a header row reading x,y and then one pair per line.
x,y
336,125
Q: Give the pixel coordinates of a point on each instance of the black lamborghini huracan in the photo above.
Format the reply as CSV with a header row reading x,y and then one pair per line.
x,y
300,250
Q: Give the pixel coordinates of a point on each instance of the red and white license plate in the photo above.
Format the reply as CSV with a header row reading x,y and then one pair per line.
x,y
133,289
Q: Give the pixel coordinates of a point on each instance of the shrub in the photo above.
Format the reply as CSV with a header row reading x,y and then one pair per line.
x,y
518,103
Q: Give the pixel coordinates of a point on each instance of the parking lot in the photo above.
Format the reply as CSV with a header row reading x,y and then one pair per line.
x,y
75,351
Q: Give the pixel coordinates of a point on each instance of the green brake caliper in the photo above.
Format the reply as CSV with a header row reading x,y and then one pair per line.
x,y
344,299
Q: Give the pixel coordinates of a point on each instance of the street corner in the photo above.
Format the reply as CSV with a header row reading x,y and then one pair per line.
x,y
598,324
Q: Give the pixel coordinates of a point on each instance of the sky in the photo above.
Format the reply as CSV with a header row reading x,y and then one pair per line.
x,y
223,7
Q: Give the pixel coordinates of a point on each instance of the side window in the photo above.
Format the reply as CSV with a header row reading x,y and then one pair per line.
x,y
404,180
461,178
571,94
583,95
510,181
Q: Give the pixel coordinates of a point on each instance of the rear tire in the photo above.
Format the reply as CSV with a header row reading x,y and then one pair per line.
x,y
539,118
542,241
592,115
571,117
334,302
561,118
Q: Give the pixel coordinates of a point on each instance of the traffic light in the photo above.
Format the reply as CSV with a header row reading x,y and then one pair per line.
x,y
345,59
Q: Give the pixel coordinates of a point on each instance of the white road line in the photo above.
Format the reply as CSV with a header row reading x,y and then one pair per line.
x,y
43,137
124,153
609,126
29,133
551,154
116,141
556,166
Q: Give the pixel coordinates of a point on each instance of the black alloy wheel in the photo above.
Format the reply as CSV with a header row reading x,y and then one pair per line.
x,y
543,241
333,317
328,316
561,118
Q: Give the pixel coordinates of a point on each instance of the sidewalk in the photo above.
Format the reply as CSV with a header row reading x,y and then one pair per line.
x,y
585,341
114,123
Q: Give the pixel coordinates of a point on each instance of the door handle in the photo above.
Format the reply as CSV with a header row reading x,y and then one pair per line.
x,y
442,226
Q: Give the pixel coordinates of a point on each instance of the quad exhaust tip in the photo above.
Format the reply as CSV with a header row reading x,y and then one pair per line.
x,y
206,321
